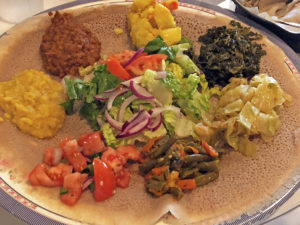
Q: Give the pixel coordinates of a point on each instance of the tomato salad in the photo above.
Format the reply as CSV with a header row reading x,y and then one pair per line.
x,y
78,164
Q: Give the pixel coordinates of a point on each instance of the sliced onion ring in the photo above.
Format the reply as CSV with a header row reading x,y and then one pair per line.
x,y
155,122
156,111
136,54
87,183
139,123
139,91
136,79
57,156
115,94
114,123
124,106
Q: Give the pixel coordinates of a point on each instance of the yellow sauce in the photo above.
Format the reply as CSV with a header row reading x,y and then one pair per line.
x,y
31,101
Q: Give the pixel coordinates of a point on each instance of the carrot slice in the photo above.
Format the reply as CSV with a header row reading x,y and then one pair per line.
x,y
209,149
150,143
186,184
195,151
115,67
171,4
159,170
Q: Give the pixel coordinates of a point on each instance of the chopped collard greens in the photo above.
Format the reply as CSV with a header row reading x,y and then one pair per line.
x,y
229,52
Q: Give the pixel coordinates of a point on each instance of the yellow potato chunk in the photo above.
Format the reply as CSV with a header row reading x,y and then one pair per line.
x,y
142,32
147,19
163,17
171,36
141,5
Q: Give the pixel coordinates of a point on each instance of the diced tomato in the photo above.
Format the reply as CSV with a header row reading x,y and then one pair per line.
x,y
114,159
73,183
63,142
123,57
74,157
171,4
52,156
104,180
39,177
141,64
114,67
129,152
91,143
123,178
57,173
49,156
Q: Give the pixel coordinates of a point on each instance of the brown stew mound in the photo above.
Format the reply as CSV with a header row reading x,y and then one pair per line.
x,y
67,45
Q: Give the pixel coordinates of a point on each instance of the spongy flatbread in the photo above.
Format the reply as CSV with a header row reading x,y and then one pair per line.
x,y
243,183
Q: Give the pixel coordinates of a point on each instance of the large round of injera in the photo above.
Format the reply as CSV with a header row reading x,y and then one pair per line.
x,y
245,183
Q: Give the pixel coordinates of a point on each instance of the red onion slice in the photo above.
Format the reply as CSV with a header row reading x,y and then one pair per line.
x,y
136,54
139,91
129,121
114,123
105,95
110,90
136,79
156,111
115,94
124,106
155,123
87,183
139,123
57,156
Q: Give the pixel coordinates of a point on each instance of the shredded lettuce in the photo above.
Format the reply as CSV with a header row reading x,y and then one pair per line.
x,y
156,88
108,133
104,79
187,96
169,120
175,69
79,90
184,127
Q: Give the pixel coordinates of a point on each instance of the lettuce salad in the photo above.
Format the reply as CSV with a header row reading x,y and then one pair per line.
x,y
152,105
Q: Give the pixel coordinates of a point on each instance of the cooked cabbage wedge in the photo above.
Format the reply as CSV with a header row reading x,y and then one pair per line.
x,y
249,108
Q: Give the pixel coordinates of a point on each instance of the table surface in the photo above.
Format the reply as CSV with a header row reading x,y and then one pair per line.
x,y
288,214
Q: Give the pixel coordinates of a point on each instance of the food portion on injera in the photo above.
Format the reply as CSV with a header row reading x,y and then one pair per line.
x,y
244,182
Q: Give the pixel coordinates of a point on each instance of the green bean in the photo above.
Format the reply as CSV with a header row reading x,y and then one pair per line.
x,y
195,158
208,166
163,148
147,166
158,178
166,174
155,185
159,143
176,192
188,173
206,178
162,161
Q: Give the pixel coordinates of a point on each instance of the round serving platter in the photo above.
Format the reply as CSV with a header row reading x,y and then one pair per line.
x,y
30,212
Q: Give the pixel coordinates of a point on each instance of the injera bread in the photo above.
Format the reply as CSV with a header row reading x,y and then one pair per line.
x,y
245,183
